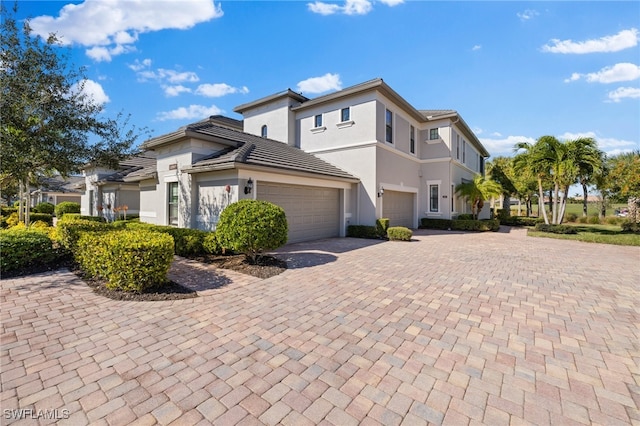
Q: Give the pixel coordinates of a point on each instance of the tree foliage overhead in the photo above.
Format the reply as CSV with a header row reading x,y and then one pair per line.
x,y
49,124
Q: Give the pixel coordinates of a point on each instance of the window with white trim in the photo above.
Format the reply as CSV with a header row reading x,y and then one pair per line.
x,y
389,126
434,197
345,114
318,120
434,134
457,146
412,140
263,131
453,198
172,203
464,151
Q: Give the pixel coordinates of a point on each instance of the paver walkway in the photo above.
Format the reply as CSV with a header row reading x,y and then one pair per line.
x,y
452,328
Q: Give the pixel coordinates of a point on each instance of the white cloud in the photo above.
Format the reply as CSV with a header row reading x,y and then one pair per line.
x,y
623,93
614,43
477,130
109,28
322,84
139,66
527,14
219,89
190,112
476,47
93,90
503,146
144,72
611,146
172,91
350,7
619,72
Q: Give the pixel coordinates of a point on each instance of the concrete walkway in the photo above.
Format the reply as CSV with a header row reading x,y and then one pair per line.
x,y
451,328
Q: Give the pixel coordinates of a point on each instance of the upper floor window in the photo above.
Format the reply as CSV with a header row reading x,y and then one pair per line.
x,y
263,131
464,151
389,126
481,165
457,147
433,134
345,114
318,120
412,140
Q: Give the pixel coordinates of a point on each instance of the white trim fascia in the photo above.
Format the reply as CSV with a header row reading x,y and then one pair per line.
x,y
398,188
341,148
318,129
344,124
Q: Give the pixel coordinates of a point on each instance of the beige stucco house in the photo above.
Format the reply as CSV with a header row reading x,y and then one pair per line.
x,y
345,158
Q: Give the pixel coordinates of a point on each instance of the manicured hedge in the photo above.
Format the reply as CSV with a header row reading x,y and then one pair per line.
x,y
461,225
130,260
555,229
188,242
67,207
399,233
68,231
520,221
382,225
23,247
6,211
362,231
211,245
428,223
43,217
76,216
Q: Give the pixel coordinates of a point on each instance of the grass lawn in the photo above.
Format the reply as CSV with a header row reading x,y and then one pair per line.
x,y
603,234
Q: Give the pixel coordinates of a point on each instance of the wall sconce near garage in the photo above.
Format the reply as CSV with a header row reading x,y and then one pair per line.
x,y
381,192
249,187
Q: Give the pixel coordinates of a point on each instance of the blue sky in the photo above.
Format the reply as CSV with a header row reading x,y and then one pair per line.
x,y
515,71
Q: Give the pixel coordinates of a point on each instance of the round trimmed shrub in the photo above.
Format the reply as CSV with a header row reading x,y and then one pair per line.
x,y
252,226
67,207
45,207
22,247
399,233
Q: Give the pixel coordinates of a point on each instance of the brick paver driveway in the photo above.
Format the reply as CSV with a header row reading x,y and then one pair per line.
x,y
450,328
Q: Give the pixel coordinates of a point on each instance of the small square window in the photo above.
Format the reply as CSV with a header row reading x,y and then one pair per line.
x,y
318,120
345,114
433,134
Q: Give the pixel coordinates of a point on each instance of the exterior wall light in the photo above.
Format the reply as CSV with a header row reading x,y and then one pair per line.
x,y
381,192
248,187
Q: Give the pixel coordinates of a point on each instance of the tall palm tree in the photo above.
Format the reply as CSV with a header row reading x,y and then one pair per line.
x,y
478,190
549,158
589,160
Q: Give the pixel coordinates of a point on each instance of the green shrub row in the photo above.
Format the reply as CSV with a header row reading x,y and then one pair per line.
x,y
130,260
382,226
188,242
399,233
76,216
22,248
67,207
45,207
68,231
460,225
362,231
6,211
555,229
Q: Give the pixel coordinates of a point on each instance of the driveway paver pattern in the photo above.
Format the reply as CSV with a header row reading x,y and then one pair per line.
x,y
451,328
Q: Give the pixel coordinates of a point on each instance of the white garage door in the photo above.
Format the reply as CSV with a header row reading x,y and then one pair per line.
x,y
398,207
312,212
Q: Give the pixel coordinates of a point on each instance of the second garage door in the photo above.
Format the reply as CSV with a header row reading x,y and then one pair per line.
x,y
312,212
398,207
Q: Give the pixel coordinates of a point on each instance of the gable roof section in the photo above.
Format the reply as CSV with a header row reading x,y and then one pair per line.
x,y
139,167
245,148
268,99
70,184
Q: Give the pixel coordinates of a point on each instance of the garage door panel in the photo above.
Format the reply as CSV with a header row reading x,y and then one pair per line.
x,y
398,207
312,212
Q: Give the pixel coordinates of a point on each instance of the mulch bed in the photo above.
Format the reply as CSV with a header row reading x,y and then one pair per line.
x,y
266,266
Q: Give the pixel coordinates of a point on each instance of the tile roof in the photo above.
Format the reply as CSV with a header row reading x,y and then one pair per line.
x,y
60,184
139,167
246,148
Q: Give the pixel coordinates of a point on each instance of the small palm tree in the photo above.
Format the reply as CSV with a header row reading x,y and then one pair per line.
x,y
478,190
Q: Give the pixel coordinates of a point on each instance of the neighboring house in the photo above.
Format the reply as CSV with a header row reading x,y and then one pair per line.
x,y
56,190
107,191
345,158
